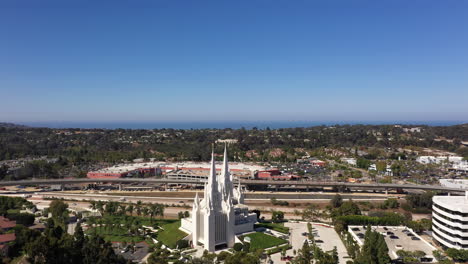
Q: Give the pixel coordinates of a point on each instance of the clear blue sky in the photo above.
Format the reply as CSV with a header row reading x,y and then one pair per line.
x,y
233,60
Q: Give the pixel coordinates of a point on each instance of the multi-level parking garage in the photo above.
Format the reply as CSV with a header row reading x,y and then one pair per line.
x,y
450,221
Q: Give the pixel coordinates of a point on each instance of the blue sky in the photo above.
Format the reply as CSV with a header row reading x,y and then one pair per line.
x,y
233,60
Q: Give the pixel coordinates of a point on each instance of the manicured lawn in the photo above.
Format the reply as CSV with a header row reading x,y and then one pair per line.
x,y
274,226
261,240
171,234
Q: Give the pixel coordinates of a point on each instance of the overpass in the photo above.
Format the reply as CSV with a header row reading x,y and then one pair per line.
x,y
306,184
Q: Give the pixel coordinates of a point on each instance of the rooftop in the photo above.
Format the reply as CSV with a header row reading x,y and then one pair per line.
x,y
6,223
5,238
455,203
121,168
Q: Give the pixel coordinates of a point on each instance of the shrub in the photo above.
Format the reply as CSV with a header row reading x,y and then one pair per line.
x,y
223,255
238,246
246,247
182,244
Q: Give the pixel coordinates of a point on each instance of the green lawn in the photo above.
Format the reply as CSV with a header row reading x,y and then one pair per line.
x,y
115,234
261,240
171,234
275,226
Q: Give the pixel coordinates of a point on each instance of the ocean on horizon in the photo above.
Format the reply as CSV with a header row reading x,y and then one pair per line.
x,y
222,125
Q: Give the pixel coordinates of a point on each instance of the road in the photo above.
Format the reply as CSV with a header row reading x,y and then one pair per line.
x,y
375,186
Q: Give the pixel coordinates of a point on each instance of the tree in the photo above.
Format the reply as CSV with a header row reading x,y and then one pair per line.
x,y
336,201
257,212
238,246
138,206
59,212
304,255
381,166
347,208
277,216
130,209
79,237
311,213
182,244
390,203
374,250
363,163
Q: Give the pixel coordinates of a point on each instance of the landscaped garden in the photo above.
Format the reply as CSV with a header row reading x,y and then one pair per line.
x,y
129,229
260,240
115,234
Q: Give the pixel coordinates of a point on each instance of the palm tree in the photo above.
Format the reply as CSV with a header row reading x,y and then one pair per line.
x,y
100,206
145,211
91,221
122,208
130,209
156,209
138,207
153,211
92,205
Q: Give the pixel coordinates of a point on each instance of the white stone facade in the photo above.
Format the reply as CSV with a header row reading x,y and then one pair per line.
x,y
221,214
450,221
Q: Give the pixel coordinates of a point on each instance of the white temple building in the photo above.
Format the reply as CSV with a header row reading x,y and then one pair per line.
x,y
220,215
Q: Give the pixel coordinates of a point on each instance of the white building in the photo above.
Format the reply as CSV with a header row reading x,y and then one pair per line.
x,y
220,215
450,221
454,183
350,161
439,159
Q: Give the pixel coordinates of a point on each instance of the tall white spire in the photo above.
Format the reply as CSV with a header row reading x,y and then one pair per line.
x,y
226,187
212,186
240,197
196,201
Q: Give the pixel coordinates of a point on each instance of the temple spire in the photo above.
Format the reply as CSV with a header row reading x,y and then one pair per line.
x,y
196,201
212,186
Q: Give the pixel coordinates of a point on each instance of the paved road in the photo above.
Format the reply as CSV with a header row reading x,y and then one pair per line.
x,y
379,186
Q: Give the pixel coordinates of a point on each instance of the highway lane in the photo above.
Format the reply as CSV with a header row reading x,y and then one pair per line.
x,y
375,186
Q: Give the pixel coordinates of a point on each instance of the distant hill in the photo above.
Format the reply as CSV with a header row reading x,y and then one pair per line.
x,y
11,125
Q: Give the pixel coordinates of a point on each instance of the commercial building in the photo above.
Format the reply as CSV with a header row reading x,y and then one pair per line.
x,y
174,170
220,215
450,221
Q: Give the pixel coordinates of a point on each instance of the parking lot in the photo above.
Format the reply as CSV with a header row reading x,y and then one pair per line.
x,y
397,238
326,238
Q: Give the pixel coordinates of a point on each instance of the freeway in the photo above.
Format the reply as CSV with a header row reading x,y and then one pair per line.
x,y
378,186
